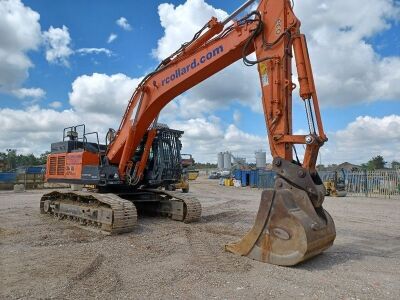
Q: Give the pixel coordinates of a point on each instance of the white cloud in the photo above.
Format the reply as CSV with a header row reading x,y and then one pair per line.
x,y
237,116
346,67
58,48
362,139
57,41
85,51
55,104
123,23
180,23
101,93
35,93
112,38
188,107
243,143
358,142
235,83
20,33
32,130
204,138
366,137
97,100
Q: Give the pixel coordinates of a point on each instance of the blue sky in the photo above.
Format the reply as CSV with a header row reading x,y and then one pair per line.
x,y
90,24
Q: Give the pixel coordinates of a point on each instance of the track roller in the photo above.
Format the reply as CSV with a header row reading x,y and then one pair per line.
x,y
106,212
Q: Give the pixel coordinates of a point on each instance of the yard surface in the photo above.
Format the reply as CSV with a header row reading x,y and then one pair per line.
x,y
41,257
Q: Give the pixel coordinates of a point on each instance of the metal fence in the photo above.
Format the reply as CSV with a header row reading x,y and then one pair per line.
x,y
385,183
30,181
380,184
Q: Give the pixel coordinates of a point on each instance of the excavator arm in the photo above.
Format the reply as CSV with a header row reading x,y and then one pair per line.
x,y
291,224
193,63
273,33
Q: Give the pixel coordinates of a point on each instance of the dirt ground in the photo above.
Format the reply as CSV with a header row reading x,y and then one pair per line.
x,y
41,257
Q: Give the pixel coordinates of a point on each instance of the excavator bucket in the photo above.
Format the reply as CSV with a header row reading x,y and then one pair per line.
x,y
291,225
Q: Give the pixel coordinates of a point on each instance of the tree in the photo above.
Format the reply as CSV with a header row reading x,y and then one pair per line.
x,y
376,162
3,156
27,160
14,160
43,158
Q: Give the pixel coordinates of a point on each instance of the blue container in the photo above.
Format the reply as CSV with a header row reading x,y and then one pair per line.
x,y
253,178
8,177
238,174
34,170
245,178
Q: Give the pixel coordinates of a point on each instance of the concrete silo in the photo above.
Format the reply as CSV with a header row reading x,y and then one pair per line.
x,y
261,159
220,160
227,160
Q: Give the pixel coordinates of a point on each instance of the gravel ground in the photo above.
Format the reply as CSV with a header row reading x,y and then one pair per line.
x,y
163,259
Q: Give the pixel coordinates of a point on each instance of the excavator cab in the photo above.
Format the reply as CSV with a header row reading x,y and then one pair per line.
x,y
164,166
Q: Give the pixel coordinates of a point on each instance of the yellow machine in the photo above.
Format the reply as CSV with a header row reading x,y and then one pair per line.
x,y
187,161
335,184
193,174
183,184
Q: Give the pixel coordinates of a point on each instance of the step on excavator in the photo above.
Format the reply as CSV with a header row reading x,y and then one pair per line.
x,y
291,224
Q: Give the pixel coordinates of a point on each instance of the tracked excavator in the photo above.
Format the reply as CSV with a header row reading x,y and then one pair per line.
x,y
291,224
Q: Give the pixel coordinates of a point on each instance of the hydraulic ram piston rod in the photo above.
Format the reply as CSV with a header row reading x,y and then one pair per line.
x,y
238,11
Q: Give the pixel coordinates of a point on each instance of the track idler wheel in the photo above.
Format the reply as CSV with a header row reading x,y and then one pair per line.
x,y
289,228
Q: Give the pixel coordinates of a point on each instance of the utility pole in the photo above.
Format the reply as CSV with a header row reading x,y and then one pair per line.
x,y
11,158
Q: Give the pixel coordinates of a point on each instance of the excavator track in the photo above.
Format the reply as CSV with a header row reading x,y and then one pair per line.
x,y
106,212
191,211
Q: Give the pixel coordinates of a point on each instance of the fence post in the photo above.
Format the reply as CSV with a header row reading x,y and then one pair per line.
x,y
365,182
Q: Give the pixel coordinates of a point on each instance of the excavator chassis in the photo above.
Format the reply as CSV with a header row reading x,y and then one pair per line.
x,y
112,214
291,225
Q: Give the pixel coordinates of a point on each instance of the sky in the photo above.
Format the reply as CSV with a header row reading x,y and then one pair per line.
x,y
70,62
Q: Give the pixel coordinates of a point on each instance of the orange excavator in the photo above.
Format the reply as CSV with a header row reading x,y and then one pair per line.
x,y
291,224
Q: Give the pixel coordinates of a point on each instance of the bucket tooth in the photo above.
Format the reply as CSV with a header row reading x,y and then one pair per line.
x,y
288,229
